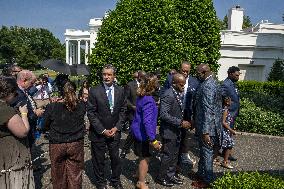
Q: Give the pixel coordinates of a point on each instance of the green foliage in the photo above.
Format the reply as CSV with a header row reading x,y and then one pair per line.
x,y
253,180
277,71
272,88
157,34
224,23
28,46
246,22
257,119
262,107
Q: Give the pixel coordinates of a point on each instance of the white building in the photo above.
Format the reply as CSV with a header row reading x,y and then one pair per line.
x,y
253,50
74,39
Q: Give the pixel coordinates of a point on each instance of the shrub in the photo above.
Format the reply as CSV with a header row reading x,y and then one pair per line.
x,y
262,107
273,88
253,180
157,34
259,120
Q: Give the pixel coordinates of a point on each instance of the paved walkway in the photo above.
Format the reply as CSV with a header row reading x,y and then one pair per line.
x,y
254,153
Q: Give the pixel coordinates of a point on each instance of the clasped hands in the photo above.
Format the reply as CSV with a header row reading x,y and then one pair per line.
x,y
185,124
110,133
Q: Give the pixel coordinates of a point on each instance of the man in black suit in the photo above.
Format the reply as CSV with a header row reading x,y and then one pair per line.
x,y
106,108
131,95
171,115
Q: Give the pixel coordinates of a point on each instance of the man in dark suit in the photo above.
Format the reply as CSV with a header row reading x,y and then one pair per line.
x,y
171,115
131,95
208,124
191,85
229,89
106,109
25,80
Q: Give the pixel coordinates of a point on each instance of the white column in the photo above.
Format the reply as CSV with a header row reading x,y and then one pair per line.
x,y
67,51
71,53
79,52
86,52
74,53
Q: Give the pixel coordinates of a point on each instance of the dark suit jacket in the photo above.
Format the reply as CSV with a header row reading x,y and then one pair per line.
x,y
171,115
21,100
99,112
131,96
193,84
229,89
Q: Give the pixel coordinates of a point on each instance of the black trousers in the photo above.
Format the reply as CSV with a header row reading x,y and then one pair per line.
x,y
98,159
169,158
129,141
184,143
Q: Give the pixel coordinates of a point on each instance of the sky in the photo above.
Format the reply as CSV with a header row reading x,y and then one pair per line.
x,y
59,15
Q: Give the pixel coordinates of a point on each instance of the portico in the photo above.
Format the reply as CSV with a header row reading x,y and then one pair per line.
x,y
76,40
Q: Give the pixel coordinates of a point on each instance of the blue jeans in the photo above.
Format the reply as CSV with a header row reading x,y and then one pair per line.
x,y
205,164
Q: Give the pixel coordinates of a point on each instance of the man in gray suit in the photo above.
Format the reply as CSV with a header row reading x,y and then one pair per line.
x,y
171,115
208,121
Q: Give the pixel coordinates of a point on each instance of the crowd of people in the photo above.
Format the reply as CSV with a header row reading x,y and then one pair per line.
x,y
160,118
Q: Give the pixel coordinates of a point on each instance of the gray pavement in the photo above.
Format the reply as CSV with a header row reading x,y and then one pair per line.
x,y
254,152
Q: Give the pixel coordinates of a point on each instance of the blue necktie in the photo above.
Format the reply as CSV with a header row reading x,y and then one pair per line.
x,y
109,96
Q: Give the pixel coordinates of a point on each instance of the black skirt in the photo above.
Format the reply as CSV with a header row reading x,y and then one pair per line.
x,y
142,149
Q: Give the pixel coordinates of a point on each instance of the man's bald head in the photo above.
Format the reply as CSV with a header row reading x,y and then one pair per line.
x,y
179,82
203,71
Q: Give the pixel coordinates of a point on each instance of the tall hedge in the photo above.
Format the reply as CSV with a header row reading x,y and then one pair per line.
x,y
157,34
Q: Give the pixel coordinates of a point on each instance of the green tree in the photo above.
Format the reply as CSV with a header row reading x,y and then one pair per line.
x,y
224,23
157,34
277,71
246,23
28,46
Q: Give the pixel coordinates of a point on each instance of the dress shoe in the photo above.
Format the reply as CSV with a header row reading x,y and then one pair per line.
x,y
195,177
123,154
177,177
101,187
186,159
176,181
118,186
231,158
165,182
200,184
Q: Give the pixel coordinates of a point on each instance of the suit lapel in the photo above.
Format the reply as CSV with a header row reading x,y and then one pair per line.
x,y
115,96
104,96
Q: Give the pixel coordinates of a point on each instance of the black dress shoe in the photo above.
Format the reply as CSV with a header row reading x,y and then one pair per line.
x,y
117,186
176,181
123,154
177,177
165,182
231,158
101,187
